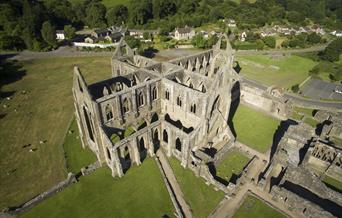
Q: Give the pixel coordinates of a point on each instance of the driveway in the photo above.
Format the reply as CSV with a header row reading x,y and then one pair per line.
x,y
318,89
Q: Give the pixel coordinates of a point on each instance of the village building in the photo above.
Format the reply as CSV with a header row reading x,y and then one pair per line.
x,y
185,33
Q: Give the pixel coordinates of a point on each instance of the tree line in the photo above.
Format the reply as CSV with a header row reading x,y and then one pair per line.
x,y
31,24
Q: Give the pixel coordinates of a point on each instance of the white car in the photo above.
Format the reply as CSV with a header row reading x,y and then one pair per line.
x,y
338,91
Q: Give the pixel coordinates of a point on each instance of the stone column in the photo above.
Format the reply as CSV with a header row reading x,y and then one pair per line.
x,y
134,102
117,168
136,153
169,144
118,104
185,152
148,96
150,142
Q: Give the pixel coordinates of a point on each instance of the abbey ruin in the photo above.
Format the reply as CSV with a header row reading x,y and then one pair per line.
x,y
184,108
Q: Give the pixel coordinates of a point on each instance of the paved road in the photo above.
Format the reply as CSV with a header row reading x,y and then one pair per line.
x,y
66,51
281,51
174,184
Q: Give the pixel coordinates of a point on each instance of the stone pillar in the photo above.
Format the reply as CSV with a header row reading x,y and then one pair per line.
x,y
134,102
169,144
185,152
135,150
116,164
118,108
150,142
148,96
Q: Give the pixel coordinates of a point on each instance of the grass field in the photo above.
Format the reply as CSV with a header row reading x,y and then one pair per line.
x,y
76,156
43,113
233,163
201,198
337,185
140,193
254,128
284,72
253,207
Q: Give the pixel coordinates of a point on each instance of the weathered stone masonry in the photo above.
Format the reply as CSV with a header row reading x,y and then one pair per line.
x,y
183,104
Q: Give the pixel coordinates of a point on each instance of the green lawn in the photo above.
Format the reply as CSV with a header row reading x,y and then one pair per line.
x,y
76,156
140,193
254,128
337,141
43,113
253,207
233,163
333,182
312,122
201,198
284,72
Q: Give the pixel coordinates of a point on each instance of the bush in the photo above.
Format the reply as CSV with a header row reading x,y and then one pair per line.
x,y
314,38
332,51
270,41
295,88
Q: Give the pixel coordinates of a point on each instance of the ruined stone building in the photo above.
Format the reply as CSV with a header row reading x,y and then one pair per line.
x,y
181,106
184,107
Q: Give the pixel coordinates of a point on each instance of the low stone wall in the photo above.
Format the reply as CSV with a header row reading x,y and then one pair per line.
x,y
8,212
298,204
90,168
94,45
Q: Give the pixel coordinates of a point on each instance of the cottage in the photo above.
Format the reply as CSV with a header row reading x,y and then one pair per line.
x,y
243,36
184,33
231,23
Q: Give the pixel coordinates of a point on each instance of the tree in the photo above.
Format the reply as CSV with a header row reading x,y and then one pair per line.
x,y
156,9
295,17
295,88
140,11
96,15
198,41
117,15
314,38
270,41
49,34
70,31
132,42
332,51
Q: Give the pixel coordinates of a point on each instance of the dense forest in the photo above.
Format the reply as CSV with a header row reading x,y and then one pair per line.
x,y
31,24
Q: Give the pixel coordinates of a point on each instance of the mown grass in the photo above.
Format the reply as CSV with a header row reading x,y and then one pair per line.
x,y
254,128
337,185
140,193
232,164
253,207
201,198
284,72
76,156
43,113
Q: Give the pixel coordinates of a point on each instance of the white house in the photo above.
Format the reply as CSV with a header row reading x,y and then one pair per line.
x,y
231,23
337,33
243,36
60,34
184,33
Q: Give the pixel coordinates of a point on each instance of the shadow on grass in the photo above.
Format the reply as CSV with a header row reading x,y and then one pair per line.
x,y
10,72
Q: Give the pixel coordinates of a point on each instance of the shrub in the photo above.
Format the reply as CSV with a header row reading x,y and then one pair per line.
x,y
295,88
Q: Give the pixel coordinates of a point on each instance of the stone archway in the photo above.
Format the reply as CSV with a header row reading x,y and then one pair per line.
x,y
178,145
142,149
165,136
156,141
88,124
